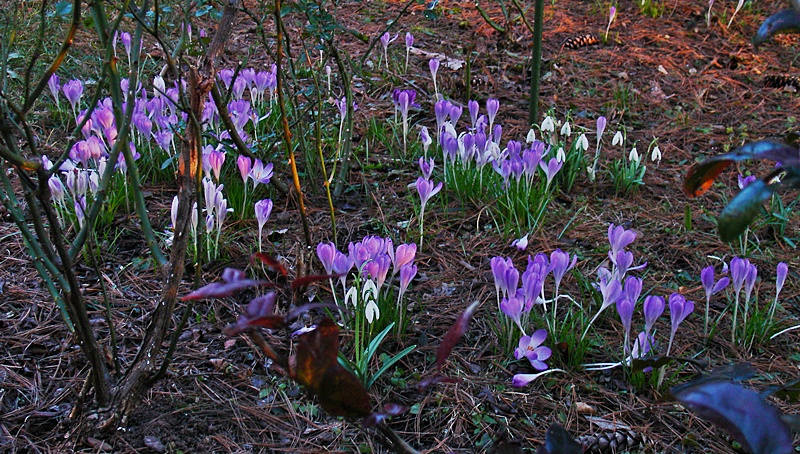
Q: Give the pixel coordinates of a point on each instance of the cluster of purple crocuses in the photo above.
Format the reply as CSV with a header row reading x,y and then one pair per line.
x,y
371,258
155,118
516,299
480,145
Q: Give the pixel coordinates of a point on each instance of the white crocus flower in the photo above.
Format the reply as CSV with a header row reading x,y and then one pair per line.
x,y
548,125
617,139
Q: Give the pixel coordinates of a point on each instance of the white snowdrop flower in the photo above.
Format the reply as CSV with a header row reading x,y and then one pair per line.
x,y
656,154
633,155
560,155
583,142
351,297
548,125
617,139
590,172
566,130
531,136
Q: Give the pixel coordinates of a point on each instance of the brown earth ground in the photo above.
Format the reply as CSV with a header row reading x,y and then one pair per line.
x,y
698,89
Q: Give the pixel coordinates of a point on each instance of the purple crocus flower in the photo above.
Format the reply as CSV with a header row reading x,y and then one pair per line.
x,y
531,347
73,90
473,107
749,282
641,347
378,268
611,290
125,37
215,160
492,106
433,65
632,288
711,288
426,140
559,265
403,255
499,266
532,283
341,266
601,127
625,309
679,309
244,164
551,169
260,173
326,253
426,166
426,190
653,308
409,39
54,85
743,181
512,307
619,238
782,272
407,273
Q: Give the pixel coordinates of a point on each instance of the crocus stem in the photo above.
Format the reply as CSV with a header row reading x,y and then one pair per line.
x,y
705,328
735,312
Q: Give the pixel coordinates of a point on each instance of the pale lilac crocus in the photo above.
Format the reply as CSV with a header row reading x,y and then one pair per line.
x,y
739,268
780,278
426,167
405,101
426,189
433,65
386,38
245,164
263,208
426,140
73,91
559,264
407,273
551,169
711,288
749,285
499,266
326,252
125,37
492,106
530,347
612,14
521,243
260,173
679,309
611,290
54,85
409,45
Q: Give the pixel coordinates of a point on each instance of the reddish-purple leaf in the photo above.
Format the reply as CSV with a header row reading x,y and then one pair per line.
x,y
454,335
339,392
233,281
434,379
741,412
271,262
305,280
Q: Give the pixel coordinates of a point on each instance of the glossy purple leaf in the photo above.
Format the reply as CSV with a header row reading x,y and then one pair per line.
x,y
454,335
233,281
558,441
739,411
